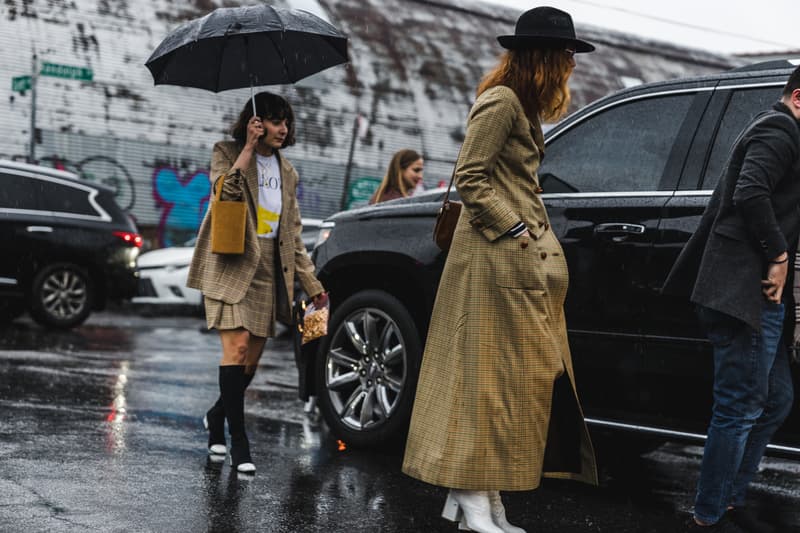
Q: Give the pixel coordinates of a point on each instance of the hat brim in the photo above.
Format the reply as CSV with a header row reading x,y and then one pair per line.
x,y
518,42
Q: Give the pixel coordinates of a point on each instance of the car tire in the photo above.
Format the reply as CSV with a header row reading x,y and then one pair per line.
x,y
61,296
366,389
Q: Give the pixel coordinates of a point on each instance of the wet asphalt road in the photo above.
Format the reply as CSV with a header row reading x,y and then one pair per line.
x,y
100,430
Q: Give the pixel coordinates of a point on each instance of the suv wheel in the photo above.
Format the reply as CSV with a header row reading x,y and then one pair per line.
x,y
367,369
61,296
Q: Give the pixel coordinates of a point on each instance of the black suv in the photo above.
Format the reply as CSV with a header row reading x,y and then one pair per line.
x,y
67,246
625,181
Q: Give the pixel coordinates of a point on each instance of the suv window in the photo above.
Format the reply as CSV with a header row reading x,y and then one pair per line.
x,y
61,198
17,192
634,140
742,107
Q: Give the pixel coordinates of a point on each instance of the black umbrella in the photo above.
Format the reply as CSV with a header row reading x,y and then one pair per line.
x,y
237,47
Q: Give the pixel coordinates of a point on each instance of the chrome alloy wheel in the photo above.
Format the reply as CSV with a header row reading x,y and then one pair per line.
x,y
365,368
64,294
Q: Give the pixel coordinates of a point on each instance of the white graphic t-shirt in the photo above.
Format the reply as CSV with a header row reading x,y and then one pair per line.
x,y
269,196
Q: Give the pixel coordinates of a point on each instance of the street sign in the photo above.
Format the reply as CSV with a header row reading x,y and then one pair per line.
x,y
67,71
20,84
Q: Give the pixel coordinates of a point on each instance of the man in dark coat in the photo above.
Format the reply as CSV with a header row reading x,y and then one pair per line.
x,y
735,268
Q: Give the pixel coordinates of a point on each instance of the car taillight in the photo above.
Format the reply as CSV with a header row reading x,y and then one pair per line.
x,y
131,238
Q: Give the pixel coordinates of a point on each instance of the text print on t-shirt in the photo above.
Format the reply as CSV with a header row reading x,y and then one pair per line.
x,y
270,202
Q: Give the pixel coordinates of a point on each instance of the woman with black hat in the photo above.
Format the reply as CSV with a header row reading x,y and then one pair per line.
x,y
496,407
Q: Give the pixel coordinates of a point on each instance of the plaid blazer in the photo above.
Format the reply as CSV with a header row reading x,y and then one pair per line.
x,y
496,388
227,277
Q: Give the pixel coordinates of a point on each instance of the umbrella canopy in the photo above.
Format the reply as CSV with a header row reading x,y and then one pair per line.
x,y
237,47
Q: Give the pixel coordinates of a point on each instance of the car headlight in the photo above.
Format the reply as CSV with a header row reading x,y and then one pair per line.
x,y
325,230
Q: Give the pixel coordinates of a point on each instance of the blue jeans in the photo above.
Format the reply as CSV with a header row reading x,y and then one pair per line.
x,y
753,394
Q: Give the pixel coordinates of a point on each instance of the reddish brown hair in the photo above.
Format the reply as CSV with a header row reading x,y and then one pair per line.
x,y
539,79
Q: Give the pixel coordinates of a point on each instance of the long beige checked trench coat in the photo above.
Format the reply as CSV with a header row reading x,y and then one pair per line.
x,y
485,413
227,277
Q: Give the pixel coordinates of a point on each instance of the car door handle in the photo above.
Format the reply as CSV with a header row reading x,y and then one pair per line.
x,y
39,229
620,228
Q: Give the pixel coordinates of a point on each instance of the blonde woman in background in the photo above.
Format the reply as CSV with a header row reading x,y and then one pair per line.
x,y
403,177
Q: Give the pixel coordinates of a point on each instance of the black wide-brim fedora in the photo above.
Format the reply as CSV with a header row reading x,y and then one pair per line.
x,y
544,27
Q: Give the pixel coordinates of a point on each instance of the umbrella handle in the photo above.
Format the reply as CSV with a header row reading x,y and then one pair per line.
x,y
252,97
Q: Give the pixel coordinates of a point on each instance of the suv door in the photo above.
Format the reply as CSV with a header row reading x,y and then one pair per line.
x,y
679,368
605,210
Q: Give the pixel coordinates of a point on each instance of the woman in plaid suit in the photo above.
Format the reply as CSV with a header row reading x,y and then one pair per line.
x,y
496,406
244,294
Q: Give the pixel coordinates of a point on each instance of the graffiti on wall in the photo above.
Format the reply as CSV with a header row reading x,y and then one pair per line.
x,y
182,200
180,196
99,169
165,188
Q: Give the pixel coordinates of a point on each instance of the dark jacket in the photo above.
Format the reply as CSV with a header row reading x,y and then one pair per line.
x,y
753,216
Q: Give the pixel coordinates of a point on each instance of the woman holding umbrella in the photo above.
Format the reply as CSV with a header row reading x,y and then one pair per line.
x,y
245,294
496,407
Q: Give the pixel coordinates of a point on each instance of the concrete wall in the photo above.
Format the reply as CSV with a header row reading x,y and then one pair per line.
x,y
414,66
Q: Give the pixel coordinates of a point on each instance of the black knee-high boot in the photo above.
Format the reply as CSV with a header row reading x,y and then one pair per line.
x,y
231,385
215,419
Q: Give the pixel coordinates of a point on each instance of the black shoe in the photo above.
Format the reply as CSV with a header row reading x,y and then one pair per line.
x,y
240,455
748,520
232,382
724,525
214,422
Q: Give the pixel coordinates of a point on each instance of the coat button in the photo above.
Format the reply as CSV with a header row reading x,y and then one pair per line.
x,y
543,255
286,269
523,244
280,243
546,226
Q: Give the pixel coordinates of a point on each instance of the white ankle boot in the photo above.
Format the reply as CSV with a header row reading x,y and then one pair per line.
x,y
499,514
472,509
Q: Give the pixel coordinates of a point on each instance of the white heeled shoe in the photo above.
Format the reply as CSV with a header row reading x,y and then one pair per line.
x,y
471,509
499,514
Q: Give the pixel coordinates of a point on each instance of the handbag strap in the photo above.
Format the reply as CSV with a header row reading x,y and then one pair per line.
x,y
446,199
218,187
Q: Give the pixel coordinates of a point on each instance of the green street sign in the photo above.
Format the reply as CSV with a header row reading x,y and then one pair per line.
x,y
20,84
67,71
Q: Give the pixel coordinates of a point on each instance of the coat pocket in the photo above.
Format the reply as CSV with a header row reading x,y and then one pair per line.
x,y
517,264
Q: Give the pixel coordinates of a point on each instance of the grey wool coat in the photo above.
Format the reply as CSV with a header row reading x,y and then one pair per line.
x,y
227,277
496,407
753,216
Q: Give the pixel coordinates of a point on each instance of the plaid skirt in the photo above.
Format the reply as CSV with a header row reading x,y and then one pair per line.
x,y
256,311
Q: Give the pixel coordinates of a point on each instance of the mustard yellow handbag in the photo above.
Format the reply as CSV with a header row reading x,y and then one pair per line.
x,y
228,220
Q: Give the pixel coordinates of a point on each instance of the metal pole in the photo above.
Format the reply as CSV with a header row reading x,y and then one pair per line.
x,y
349,167
252,96
34,77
